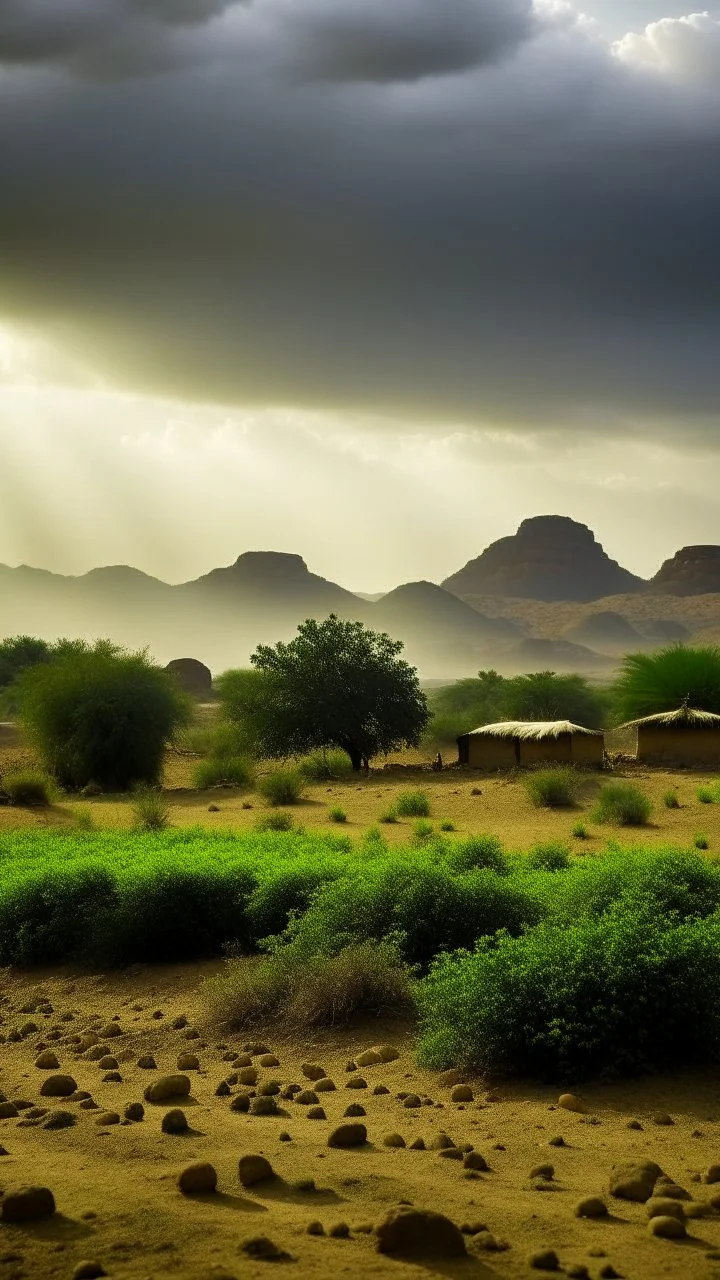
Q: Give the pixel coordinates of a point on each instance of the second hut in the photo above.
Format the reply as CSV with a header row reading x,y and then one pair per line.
x,y
516,743
682,737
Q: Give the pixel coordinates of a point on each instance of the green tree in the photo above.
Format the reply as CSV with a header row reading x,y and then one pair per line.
x,y
649,683
17,653
544,695
337,684
100,714
247,706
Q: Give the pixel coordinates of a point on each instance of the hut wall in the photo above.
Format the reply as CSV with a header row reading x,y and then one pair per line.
x,y
491,753
688,746
546,751
587,751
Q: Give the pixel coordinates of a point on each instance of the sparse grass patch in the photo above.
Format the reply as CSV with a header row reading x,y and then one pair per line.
x,y
29,789
670,800
701,842
282,786
580,831
412,804
389,817
552,856
478,853
275,822
447,826
83,819
325,766
422,831
223,771
337,814
623,805
705,795
151,810
555,788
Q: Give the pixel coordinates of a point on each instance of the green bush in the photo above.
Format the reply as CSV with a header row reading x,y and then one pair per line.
x,y
705,795
447,826
552,856
622,805
422,831
666,881
662,681
100,714
389,817
555,788
323,991
625,994
286,890
275,822
55,916
151,811
580,831
229,771
412,804
670,800
701,842
326,766
337,814
83,818
28,789
282,786
476,853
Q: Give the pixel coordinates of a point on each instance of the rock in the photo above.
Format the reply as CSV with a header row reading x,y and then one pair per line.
x,y
248,1075
355,1110
112,1030
188,1062
263,1106
662,1118
339,1231
264,1248
107,1117
108,1063
570,1102
462,1093
388,1053
88,1104
668,1228
192,676
325,1086
698,1209
417,1145
412,1102
380,1089
57,1087
242,1060
450,1153
449,1078
26,1204
147,1062
59,1120
312,1071
634,1124
473,1160
316,1113
223,1090
284,1136
441,1141
47,1060
348,1135
357,1082
393,1140
668,1187
253,1169
634,1180
315,1229
544,1260
174,1121
112,1076
166,1087
591,1207
8,1110
306,1098
88,1270
712,1174
546,1171
134,1111
368,1059
269,1060
556,1142
240,1102
406,1230
662,1207
197,1178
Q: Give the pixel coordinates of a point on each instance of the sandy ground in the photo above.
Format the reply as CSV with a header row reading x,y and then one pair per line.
x,y
115,1186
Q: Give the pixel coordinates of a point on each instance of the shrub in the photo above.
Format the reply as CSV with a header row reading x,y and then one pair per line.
x,y
670,800
275,822
662,681
83,818
412,804
325,766
368,979
623,805
54,916
230,771
389,817
624,994
447,826
29,789
553,788
705,795
337,815
151,811
282,786
478,852
285,890
422,830
666,882
552,856
701,842
580,831
101,714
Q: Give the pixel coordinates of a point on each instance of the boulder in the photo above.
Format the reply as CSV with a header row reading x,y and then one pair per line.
x,y
406,1230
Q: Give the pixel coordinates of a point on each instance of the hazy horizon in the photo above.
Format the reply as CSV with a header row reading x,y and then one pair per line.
x,y
366,283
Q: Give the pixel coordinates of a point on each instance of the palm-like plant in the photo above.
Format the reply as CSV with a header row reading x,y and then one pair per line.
x,y
664,681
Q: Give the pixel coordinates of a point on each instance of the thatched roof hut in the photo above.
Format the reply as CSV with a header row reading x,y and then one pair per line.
x,y
682,737
516,742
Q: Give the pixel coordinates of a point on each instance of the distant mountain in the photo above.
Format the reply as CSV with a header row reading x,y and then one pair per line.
x,y
693,571
537,654
606,631
441,632
549,558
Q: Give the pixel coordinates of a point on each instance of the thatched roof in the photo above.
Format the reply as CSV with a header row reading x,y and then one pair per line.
x,y
683,718
532,731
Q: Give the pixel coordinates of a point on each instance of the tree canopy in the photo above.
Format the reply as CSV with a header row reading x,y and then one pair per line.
x,y
337,684
490,697
17,653
649,683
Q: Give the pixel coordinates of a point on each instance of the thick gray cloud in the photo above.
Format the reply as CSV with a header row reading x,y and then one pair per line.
x,y
328,205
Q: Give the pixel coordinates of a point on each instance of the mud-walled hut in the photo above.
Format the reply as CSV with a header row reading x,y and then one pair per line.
x,y
514,744
682,737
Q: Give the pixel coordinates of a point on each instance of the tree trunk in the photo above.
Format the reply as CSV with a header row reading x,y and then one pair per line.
x,y
356,758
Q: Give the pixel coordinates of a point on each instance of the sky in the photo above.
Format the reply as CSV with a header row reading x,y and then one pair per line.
x,y
366,282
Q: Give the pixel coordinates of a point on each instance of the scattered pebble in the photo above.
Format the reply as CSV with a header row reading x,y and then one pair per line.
x,y
107,1117
393,1140
316,1113
166,1087
348,1135
175,1121
312,1071
571,1102
355,1109
134,1111
197,1178
264,1248
634,1181
667,1227
254,1169
591,1207
544,1260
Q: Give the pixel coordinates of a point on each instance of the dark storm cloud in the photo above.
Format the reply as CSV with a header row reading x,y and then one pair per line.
x,y
327,204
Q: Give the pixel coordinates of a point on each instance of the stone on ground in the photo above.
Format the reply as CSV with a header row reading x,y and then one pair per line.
x,y
27,1204
591,1207
634,1180
348,1135
167,1087
197,1178
668,1228
571,1102
57,1087
174,1121
253,1169
421,1231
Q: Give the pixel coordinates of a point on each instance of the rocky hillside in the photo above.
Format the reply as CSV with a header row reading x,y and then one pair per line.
x,y
549,558
692,571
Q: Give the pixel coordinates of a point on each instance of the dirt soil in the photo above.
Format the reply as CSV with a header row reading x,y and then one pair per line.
x,y
115,1185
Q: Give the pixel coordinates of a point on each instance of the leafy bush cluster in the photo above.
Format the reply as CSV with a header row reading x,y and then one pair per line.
x,y
490,697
